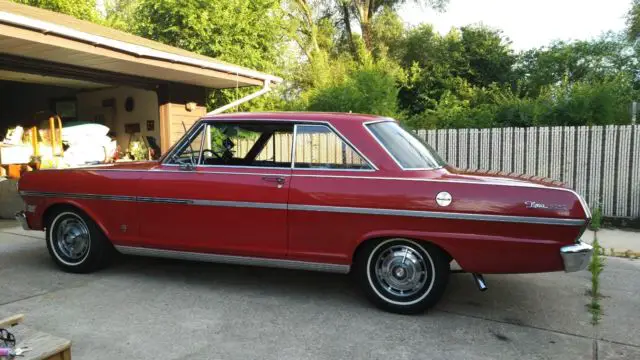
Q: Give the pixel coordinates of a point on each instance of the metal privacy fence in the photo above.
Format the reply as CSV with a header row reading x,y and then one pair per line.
x,y
602,163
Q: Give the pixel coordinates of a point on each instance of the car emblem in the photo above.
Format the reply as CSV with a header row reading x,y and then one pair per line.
x,y
443,198
537,205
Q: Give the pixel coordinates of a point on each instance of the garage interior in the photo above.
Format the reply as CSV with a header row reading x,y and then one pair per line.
x,y
74,93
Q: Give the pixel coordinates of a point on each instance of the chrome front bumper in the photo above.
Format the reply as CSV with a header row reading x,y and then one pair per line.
x,y
22,219
576,257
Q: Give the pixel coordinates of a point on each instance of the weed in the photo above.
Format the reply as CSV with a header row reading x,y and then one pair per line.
x,y
595,267
596,219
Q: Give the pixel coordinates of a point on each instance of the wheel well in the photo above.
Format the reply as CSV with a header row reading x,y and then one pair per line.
x,y
54,209
368,241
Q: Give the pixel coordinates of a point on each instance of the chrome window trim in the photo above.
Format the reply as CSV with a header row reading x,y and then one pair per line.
x,y
235,259
225,167
294,145
365,124
324,208
184,141
208,122
329,126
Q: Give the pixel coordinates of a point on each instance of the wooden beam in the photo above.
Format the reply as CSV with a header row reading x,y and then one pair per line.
x,y
11,320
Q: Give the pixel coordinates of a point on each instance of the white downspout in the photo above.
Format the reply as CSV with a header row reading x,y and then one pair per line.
x,y
265,89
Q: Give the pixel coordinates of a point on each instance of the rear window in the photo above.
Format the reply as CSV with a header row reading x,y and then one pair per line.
x,y
408,150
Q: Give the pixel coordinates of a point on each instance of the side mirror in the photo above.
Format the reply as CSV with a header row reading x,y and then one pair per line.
x,y
186,167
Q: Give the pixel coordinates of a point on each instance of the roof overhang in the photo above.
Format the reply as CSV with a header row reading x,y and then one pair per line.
x,y
32,38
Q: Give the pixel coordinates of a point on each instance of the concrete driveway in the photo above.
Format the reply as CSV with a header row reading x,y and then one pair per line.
x,y
148,309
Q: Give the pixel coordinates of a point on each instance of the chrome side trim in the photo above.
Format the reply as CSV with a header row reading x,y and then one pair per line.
x,y
439,215
79,196
323,208
236,260
156,200
159,200
240,204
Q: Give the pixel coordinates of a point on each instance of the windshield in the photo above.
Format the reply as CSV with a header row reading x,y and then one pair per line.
x,y
408,150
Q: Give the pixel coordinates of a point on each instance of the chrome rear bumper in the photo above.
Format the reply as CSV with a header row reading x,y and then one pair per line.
x,y
576,257
22,219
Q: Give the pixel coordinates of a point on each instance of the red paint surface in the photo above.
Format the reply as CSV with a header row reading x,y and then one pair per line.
x,y
478,246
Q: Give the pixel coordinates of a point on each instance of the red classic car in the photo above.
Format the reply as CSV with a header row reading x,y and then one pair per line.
x,y
316,191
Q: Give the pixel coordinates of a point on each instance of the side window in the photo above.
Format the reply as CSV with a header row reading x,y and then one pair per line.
x,y
319,147
240,144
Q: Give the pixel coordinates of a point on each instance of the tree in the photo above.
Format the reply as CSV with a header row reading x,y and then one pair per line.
x,y
247,33
81,9
576,61
452,65
633,21
119,13
364,12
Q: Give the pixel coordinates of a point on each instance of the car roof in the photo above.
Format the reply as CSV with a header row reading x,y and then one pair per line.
x,y
330,117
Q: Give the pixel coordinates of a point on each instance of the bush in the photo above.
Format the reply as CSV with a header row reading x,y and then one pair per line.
x,y
369,89
582,103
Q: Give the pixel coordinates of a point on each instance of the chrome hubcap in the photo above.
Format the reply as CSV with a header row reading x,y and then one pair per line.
x,y
401,270
72,236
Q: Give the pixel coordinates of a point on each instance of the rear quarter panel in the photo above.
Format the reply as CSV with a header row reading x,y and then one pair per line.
x,y
479,246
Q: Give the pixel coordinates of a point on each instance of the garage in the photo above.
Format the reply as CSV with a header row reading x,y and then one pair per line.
x,y
74,93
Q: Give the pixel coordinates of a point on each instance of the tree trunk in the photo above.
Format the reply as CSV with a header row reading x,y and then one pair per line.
x,y
313,30
366,34
346,17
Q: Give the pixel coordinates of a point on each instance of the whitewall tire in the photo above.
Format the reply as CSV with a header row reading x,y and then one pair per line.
x,y
75,243
402,275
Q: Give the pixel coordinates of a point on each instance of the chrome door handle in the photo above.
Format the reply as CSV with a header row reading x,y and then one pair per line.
x,y
276,179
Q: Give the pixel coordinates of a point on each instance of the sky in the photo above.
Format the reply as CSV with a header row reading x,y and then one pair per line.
x,y
527,23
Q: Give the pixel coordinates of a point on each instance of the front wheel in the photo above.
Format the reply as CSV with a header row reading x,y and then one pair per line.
x,y
76,243
401,275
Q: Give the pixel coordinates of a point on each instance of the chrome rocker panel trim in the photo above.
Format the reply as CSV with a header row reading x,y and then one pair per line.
x,y
576,257
234,259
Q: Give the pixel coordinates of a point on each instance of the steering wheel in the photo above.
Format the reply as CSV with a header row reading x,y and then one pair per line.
x,y
215,154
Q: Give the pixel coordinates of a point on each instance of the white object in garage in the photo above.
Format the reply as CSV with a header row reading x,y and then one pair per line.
x,y
15,154
88,143
14,136
77,133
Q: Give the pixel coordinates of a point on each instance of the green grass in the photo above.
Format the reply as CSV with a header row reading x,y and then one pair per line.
x,y
596,219
596,266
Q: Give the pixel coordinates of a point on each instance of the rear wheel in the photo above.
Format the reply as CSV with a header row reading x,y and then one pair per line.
x,y
401,275
76,243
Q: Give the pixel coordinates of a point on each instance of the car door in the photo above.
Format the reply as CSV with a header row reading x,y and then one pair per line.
x,y
224,190
326,180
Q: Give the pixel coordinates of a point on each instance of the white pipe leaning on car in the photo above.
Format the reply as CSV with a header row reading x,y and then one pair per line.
x,y
265,89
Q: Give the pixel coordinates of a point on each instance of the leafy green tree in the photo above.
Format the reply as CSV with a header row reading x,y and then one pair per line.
x,y
119,13
633,21
576,61
364,11
81,9
247,33
452,65
369,89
